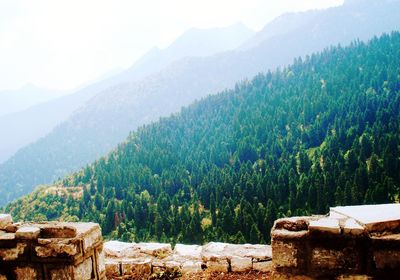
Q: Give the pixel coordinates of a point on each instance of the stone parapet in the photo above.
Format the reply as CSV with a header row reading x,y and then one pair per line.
x,y
50,250
144,259
339,245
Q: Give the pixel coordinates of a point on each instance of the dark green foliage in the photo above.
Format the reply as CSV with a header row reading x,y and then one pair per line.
x,y
322,132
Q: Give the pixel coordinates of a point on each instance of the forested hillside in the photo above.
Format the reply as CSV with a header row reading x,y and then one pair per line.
x,y
324,131
107,119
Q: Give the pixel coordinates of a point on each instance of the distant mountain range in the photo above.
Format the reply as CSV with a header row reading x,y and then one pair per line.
x,y
107,118
12,101
21,125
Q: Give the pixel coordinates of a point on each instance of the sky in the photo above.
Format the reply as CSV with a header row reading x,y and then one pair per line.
x,y
64,44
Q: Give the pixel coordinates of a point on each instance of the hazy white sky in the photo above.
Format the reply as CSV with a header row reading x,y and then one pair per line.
x,y
62,44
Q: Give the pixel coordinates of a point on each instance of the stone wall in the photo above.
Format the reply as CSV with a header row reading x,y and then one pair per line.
x,y
144,259
357,242
50,251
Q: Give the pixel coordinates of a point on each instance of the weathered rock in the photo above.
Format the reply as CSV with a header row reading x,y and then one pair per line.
x,y
217,265
284,254
351,227
113,268
159,250
12,228
283,234
387,259
326,225
26,273
90,233
239,264
213,250
187,252
136,269
58,231
27,232
292,223
382,217
117,249
6,235
100,262
55,247
52,250
283,276
191,267
11,254
353,277
264,266
83,271
5,220
322,258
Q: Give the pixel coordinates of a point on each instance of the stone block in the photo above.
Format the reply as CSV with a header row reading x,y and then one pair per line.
x,y
287,276
292,223
354,277
284,254
158,250
264,266
90,233
113,268
12,227
83,271
325,225
27,273
188,252
213,250
189,267
253,251
375,218
5,236
12,254
283,234
351,227
47,248
326,259
136,269
217,265
58,231
100,261
117,249
5,220
239,264
387,259
27,232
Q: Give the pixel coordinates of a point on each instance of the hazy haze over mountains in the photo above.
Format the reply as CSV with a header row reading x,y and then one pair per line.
x,y
12,101
22,128
110,115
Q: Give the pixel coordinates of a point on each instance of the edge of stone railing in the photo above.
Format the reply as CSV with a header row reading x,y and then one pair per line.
x,y
353,242
144,259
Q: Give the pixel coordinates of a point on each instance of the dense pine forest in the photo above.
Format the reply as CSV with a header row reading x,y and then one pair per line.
x,y
324,131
